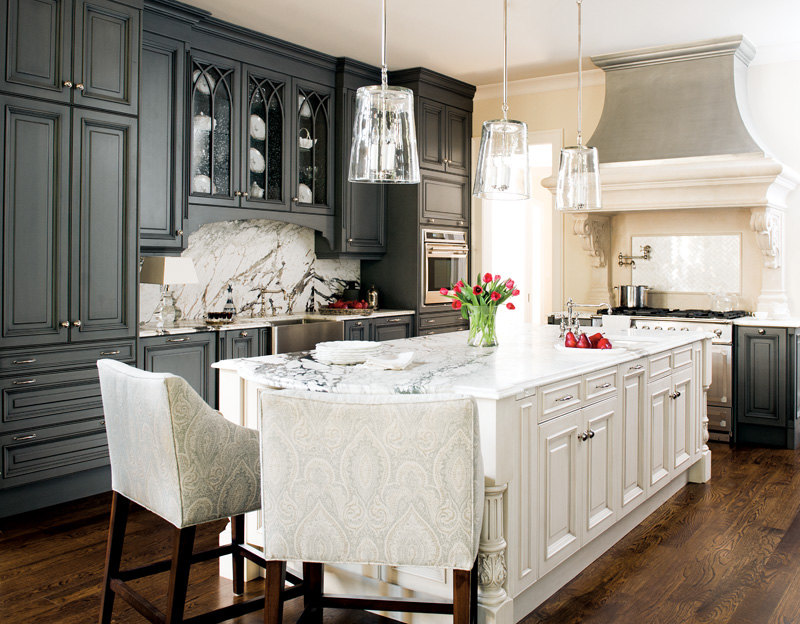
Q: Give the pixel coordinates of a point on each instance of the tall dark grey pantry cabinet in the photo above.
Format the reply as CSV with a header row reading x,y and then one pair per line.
x,y
69,100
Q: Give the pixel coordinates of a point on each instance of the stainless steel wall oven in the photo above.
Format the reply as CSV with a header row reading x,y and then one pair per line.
x,y
445,260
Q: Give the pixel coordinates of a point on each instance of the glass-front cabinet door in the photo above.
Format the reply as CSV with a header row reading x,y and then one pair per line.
x,y
313,163
213,139
265,138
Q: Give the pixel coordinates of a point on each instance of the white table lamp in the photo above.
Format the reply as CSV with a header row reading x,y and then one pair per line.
x,y
166,270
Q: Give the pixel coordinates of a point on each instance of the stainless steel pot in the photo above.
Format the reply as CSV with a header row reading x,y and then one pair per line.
x,y
630,296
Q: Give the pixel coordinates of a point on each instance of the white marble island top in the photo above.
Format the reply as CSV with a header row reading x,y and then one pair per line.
x,y
525,358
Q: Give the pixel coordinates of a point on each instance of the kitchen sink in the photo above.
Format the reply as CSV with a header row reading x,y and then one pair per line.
x,y
301,334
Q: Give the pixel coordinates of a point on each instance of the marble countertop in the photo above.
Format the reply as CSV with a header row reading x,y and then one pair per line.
x,y
751,321
194,326
525,358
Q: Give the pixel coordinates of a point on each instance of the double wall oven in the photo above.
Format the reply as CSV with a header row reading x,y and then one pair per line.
x,y
445,256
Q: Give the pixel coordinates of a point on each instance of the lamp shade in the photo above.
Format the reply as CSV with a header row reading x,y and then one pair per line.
x,y
167,270
384,148
503,171
578,185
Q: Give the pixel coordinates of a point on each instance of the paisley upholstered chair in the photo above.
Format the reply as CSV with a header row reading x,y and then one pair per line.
x,y
385,480
175,456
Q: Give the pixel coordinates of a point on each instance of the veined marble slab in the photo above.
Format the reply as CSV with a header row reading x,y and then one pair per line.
x,y
250,255
525,358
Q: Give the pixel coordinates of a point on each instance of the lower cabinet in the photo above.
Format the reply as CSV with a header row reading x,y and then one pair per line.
x,y
380,328
577,480
190,356
634,435
241,343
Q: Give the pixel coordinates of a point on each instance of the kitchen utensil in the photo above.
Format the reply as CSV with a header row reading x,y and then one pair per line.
x,y
305,141
257,164
258,129
304,194
630,296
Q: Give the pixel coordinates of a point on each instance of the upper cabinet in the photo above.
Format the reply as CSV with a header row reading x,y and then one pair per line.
x,y
312,172
443,137
83,52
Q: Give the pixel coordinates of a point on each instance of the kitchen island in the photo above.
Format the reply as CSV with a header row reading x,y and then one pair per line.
x,y
578,446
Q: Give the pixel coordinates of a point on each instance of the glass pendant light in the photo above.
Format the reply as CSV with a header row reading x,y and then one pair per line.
x,y
578,186
503,171
384,149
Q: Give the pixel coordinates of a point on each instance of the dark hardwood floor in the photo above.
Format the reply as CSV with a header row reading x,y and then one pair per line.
x,y
726,552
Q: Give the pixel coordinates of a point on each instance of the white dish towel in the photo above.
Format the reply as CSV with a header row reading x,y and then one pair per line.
x,y
390,362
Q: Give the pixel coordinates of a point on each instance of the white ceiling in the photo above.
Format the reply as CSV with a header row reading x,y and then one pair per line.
x,y
463,38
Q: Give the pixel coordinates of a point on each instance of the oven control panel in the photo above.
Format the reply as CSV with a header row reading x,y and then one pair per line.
x,y
723,331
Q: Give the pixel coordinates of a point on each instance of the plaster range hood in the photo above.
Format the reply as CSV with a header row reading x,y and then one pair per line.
x,y
675,134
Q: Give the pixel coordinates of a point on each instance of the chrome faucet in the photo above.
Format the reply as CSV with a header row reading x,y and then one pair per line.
x,y
266,291
572,323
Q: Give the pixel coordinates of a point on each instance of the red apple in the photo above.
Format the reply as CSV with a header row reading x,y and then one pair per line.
x,y
570,340
583,342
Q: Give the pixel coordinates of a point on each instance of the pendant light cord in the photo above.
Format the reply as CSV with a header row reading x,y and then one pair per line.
x,y
384,70
580,76
505,59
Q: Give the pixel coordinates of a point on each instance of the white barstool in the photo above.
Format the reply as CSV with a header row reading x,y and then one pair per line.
x,y
385,480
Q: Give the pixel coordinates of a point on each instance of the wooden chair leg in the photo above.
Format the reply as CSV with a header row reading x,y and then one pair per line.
x,y
462,596
237,537
473,598
312,594
116,536
275,572
179,573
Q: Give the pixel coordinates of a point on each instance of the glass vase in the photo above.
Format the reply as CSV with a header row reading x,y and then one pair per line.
x,y
482,326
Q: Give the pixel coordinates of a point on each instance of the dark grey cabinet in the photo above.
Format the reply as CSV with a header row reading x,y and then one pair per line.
x,y
440,322
766,384
161,141
443,135
444,199
84,52
380,328
104,238
313,148
189,356
360,329
240,343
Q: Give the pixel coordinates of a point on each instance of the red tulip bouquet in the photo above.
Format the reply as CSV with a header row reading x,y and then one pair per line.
x,y
479,304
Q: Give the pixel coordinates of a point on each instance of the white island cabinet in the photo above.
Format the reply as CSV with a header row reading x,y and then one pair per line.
x,y
578,447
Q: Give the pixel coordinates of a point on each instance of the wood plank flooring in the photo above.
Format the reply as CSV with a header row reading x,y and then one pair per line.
x,y
725,552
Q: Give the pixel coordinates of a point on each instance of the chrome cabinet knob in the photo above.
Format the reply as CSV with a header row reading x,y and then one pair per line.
x,y
670,329
295,199
349,240
590,433
178,232
64,323
761,332
77,323
80,86
583,436
67,84
718,333
243,334
237,193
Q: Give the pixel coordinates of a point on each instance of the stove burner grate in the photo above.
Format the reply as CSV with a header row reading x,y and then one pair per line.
x,y
666,312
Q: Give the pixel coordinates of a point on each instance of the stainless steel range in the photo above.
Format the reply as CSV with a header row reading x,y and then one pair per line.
x,y
720,394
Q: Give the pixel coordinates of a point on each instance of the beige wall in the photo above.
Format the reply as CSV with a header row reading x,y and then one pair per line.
x,y
774,95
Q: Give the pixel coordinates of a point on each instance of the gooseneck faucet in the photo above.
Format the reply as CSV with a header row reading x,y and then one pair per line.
x,y
572,323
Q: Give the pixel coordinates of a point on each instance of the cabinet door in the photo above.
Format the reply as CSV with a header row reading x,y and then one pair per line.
x,y
189,357
104,238
459,133
601,473
682,416
214,131
658,414
761,376
161,146
36,48
720,392
431,132
633,451
266,120
35,192
393,328
313,149
106,63
445,199
560,503
240,344
358,330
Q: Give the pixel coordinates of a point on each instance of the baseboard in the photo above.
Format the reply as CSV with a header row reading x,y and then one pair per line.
x,y
54,491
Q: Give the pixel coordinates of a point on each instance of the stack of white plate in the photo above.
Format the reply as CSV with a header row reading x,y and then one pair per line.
x,y
345,351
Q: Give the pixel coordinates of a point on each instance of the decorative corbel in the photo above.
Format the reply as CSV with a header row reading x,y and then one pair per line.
x,y
767,223
595,234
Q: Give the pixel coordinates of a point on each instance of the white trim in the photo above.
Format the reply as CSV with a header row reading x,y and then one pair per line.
x,y
558,82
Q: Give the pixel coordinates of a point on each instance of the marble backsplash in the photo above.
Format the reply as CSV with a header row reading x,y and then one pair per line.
x,y
250,255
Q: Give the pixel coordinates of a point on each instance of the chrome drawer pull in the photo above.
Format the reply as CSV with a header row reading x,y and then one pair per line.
x,y
601,386
395,320
109,353
20,438
637,367
177,340
24,383
31,361
568,397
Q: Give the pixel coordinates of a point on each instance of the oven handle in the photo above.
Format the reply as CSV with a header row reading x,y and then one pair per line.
x,y
447,248
432,253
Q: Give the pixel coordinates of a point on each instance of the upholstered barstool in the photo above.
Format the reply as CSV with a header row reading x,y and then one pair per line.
x,y
385,480
177,457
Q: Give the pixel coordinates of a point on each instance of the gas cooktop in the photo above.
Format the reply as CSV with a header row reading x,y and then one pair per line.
x,y
666,312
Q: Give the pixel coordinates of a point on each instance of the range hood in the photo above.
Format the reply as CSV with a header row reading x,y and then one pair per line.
x,y
675,134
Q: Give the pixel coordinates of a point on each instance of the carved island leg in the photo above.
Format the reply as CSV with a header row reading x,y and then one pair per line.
x,y
494,603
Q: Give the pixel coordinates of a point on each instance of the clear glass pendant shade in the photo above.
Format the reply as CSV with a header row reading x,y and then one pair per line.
x,y
384,148
503,171
578,186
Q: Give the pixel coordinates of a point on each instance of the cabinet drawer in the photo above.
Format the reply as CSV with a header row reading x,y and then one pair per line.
x,y
659,365
428,321
84,355
38,454
559,397
600,384
682,357
440,330
37,400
